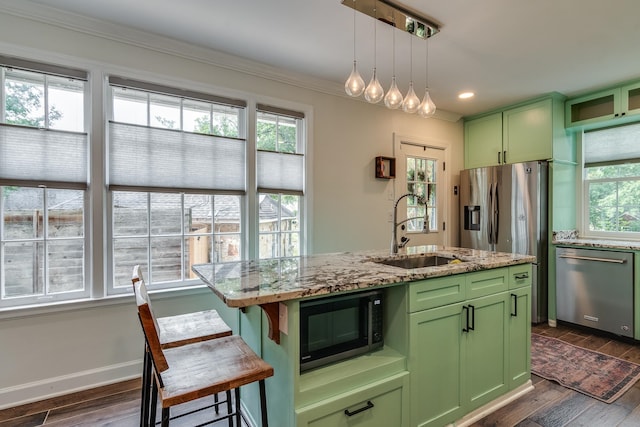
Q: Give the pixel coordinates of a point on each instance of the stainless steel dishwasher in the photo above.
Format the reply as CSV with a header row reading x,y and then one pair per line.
x,y
595,288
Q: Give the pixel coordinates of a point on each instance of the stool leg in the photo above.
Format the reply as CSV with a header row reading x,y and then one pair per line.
x,y
165,417
215,403
154,403
229,410
263,404
237,403
146,388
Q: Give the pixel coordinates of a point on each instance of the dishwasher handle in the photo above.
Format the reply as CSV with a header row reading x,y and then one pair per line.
x,y
589,258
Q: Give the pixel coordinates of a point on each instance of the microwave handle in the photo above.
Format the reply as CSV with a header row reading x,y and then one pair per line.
x,y
370,322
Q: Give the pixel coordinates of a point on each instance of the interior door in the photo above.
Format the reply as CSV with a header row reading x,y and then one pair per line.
x,y
421,170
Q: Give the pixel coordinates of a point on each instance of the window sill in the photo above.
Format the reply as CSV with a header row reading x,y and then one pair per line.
x,y
89,303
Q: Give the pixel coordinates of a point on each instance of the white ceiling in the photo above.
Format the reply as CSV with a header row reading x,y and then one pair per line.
x,y
504,50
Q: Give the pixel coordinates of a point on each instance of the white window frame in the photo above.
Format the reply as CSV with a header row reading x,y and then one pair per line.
x,y
47,69
583,199
302,145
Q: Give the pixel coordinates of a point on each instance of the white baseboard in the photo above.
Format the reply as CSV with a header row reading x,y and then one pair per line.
x,y
65,384
553,323
493,406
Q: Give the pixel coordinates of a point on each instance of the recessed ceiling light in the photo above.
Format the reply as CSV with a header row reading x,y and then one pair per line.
x,y
466,95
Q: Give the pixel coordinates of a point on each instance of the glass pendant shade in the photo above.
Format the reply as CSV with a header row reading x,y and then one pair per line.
x,y
354,86
393,98
427,108
411,101
374,92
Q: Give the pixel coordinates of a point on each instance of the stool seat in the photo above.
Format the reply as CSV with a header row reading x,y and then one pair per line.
x,y
209,367
181,329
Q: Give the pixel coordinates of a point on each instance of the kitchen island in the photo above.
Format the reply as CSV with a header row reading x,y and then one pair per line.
x,y
430,372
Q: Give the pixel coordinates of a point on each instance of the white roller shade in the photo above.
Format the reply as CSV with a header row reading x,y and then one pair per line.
x,y
147,157
43,156
611,146
280,172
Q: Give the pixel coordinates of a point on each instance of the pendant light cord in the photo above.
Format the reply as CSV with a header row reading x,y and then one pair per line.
x,y
375,34
426,63
354,30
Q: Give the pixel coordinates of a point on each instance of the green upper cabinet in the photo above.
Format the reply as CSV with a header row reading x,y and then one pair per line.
x,y
529,131
616,105
483,141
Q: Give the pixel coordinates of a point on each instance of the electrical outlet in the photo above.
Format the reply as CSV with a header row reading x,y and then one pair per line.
x,y
390,216
390,195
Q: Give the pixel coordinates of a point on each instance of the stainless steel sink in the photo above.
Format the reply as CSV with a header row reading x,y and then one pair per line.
x,y
419,261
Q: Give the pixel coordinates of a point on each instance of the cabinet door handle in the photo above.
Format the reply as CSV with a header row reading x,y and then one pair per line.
x,y
357,411
466,321
473,318
514,305
521,276
504,157
498,157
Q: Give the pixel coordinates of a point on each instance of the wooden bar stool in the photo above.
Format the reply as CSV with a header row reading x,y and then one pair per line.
x,y
176,331
200,369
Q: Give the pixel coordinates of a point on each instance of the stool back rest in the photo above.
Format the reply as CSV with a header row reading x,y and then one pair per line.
x,y
149,326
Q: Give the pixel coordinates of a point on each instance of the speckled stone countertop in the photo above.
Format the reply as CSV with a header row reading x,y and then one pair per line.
x,y
246,283
599,243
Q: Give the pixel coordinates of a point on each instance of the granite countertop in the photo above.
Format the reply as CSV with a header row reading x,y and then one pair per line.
x,y
247,283
599,243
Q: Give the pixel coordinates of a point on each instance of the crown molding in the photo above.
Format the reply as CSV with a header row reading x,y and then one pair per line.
x,y
122,34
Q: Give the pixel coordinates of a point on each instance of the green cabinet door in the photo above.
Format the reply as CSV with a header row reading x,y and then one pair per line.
x,y
483,141
435,365
484,350
519,336
528,132
630,99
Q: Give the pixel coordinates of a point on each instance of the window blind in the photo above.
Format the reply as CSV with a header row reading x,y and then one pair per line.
x,y
612,146
280,172
55,70
151,158
43,156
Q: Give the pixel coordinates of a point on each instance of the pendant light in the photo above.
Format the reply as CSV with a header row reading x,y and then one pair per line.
x,y
411,101
393,98
427,108
354,86
374,92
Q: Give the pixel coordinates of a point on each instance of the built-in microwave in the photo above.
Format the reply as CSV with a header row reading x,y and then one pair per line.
x,y
338,327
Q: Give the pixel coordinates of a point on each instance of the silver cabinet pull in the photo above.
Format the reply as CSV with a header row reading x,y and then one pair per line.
x,y
588,258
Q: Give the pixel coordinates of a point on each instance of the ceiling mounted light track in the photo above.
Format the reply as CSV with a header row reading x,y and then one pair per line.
x,y
397,16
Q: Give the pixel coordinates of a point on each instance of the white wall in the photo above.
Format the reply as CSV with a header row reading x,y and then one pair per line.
x,y
49,353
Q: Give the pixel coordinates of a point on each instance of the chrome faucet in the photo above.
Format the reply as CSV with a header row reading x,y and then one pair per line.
x,y
394,231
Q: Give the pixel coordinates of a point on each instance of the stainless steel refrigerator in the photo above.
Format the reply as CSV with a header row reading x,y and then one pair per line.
x,y
504,209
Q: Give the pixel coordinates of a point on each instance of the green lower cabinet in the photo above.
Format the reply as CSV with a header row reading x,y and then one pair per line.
x,y
435,338
381,404
465,355
519,336
485,350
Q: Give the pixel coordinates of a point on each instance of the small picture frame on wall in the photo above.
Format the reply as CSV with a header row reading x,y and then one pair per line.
x,y
385,167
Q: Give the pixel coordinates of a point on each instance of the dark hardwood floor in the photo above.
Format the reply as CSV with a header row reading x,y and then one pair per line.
x,y
548,405
551,405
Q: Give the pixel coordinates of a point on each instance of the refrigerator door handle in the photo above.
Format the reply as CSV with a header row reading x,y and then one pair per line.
x,y
496,212
490,216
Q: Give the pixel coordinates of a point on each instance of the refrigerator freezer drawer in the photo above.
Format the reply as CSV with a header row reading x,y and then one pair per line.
x,y
595,289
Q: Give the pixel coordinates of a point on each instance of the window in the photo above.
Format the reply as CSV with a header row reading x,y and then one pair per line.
x,y
174,192
421,180
280,172
612,180
43,183
177,168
